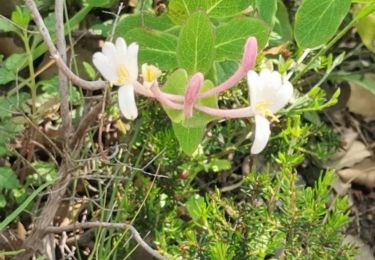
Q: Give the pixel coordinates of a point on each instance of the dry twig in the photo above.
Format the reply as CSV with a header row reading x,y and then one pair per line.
x,y
88,225
89,85
63,80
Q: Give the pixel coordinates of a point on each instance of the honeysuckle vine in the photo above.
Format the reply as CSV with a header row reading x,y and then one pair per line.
x,y
150,87
269,92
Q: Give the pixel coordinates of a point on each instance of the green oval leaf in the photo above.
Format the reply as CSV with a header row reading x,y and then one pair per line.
x,y
161,23
180,10
195,49
100,3
155,47
318,20
267,10
188,138
282,25
176,84
231,37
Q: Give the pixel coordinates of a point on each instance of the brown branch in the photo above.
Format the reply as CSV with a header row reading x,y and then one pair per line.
x,y
46,137
88,225
34,243
89,85
85,123
63,80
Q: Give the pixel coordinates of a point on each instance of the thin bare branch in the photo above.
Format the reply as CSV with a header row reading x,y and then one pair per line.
x,y
85,123
120,8
88,225
34,243
63,80
89,85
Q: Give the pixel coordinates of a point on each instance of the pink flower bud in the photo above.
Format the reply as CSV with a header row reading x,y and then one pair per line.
x,y
192,92
250,53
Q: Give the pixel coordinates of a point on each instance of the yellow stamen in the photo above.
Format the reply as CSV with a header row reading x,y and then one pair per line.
x,y
123,74
150,73
263,108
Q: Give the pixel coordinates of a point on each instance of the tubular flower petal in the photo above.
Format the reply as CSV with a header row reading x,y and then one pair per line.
x,y
250,53
262,134
126,102
118,63
192,92
269,93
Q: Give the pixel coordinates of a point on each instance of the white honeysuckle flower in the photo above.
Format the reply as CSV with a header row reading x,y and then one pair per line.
x,y
150,74
269,93
118,63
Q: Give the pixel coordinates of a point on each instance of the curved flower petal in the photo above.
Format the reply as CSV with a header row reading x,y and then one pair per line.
x,y
133,50
127,103
270,83
270,79
121,46
253,81
284,94
105,67
262,134
132,60
109,50
122,51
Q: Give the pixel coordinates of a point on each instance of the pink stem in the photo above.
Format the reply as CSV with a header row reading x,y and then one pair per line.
x,y
233,80
247,63
172,97
163,100
156,93
144,91
227,113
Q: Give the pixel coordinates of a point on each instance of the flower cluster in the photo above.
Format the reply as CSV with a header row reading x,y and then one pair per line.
x,y
269,91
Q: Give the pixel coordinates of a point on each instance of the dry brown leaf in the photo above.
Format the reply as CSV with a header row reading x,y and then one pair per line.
x,y
357,176
281,49
21,231
356,153
340,186
363,173
347,138
366,165
361,101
